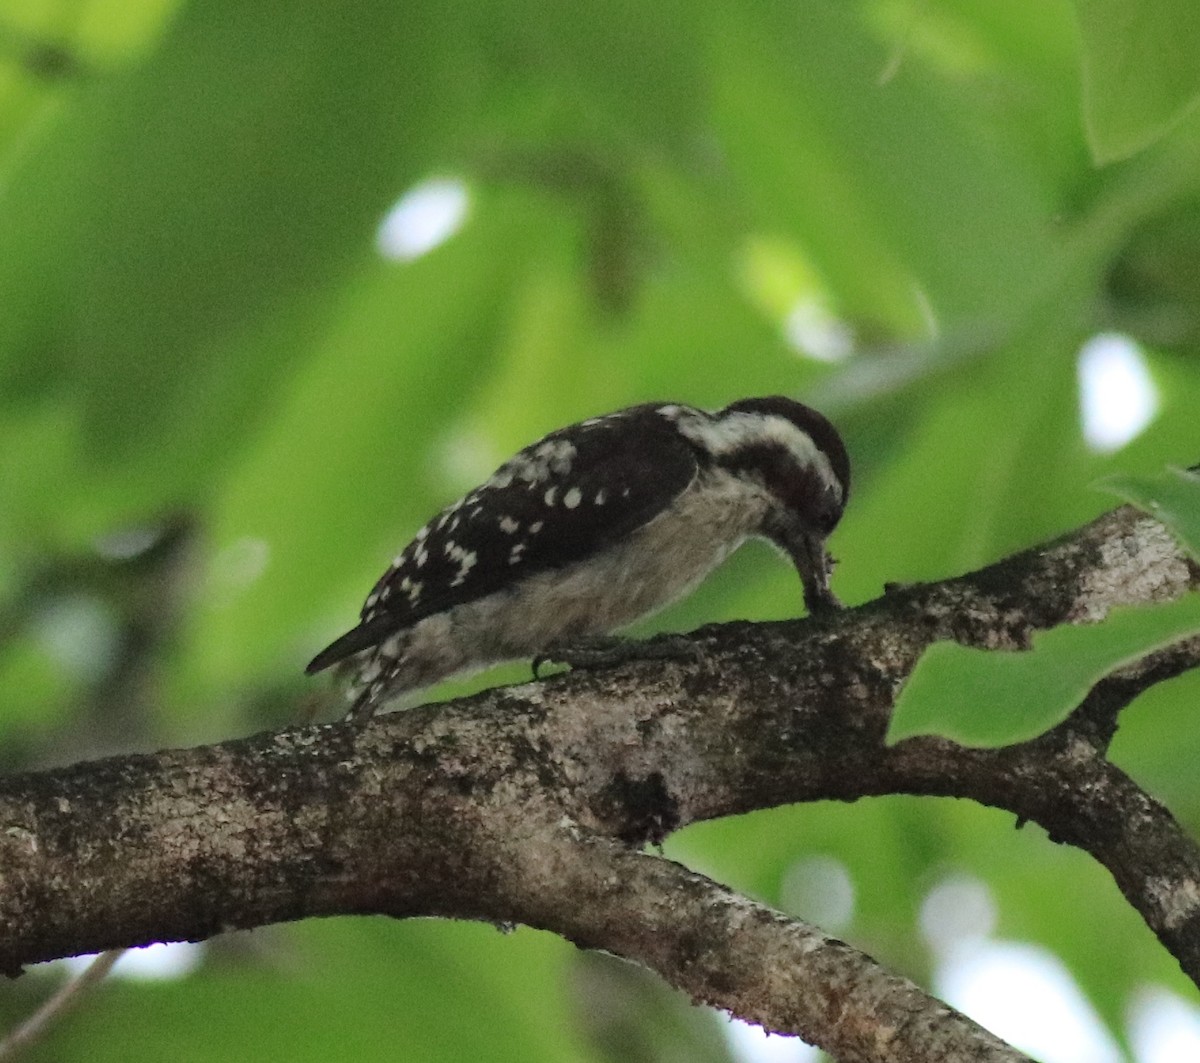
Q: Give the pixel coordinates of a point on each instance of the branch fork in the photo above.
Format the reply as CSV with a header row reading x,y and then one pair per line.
x,y
529,804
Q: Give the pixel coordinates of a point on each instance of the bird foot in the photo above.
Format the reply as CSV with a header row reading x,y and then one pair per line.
x,y
819,600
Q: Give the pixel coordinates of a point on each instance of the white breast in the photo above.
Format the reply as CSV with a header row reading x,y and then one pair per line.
x,y
657,565
629,580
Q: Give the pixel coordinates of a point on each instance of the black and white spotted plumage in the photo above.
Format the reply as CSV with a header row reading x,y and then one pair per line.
x,y
591,528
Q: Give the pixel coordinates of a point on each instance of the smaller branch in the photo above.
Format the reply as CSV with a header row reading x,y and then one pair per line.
x,y
1105,702
736,954
507,806
1062,782
55,1007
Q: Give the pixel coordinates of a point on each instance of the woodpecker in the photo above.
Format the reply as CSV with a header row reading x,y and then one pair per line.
x,y
591,528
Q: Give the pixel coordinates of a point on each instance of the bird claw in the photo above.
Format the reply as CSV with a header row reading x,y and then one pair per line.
x,y
603,651
819,598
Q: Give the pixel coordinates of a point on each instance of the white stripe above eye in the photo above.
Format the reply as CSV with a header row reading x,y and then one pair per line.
x,y
722,436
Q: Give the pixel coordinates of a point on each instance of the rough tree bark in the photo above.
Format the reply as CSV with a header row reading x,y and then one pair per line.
x,y
529,804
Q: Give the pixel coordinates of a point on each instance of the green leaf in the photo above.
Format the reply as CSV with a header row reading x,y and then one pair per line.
x,y
1141,71
989,698
1172,497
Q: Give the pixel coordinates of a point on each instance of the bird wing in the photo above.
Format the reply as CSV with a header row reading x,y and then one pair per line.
x,y
558,501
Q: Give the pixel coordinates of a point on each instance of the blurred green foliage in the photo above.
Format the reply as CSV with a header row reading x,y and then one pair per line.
x,y
994,698
222,410
1141,71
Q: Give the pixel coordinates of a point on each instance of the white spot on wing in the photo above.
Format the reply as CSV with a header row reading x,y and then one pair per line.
x,y
508,525
557,455
600,497
531,471
536,527
514,555
548,497
572,498
466,561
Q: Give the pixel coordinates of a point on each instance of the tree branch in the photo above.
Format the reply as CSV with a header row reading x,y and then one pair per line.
x,y
508,806
731,952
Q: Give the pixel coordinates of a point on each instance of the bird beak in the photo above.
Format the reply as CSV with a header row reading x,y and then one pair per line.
x,y
814,564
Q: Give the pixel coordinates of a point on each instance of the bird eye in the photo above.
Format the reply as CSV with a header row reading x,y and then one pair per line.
x,y
828,512
834,512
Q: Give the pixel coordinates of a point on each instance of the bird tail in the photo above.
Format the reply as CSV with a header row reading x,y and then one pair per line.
x,y
367,634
